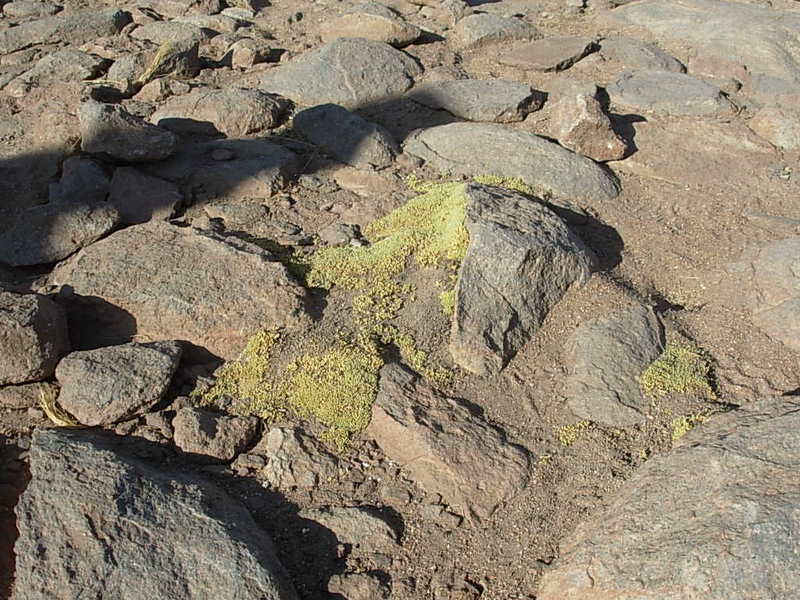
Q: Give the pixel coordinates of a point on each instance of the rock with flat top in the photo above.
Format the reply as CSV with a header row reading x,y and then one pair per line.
x,y
550,54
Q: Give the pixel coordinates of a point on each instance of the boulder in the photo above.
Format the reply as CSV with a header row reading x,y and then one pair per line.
x,y
480,30
636,55
669,93
51,232
230,112
604,358
208,434
139,197
112,130
152,272
520,262
119,527
488,148
68,64
346,136
476,100
83,181
715,519
446,445
116,383
353,73
372,21
33,336
550,54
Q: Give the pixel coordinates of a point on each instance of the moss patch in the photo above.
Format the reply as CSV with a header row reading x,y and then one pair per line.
x,y
569,434
684,424
681,368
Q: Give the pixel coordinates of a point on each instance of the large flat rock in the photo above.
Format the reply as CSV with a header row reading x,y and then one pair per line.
x,y
493,149
715,519
96,522
667,92
520,262
154,272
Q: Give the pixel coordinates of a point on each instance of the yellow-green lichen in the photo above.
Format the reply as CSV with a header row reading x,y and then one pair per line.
x,y
569,434
681,368
684,424
448,301
511,183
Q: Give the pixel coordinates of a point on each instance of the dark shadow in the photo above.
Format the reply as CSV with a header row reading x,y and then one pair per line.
x,y
603,239
14,477
94,322
795,392
623,127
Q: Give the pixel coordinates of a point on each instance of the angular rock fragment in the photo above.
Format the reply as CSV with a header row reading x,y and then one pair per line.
x,y
716,518
204,432
445,446
112,130
480,30
520,262
550,54
96,521
488,148
216,303
33,336
51,232
112,384
162,32
346,136
294,459
668,93
83,180
359,526
579,123
140,198
353,73
231,112
477,100
605,356
635,55
372,21
64,65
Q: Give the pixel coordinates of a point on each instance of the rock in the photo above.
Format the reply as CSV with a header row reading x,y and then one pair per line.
x,y
216,303
108,385
668,93
140,198
68,64
30,8
353,73
371,21
347,137
161,32
27,395
179,8
83,180
445,445
75,28
579,123
488,148
339,234
774,289
294,459
778,126
550,54
178,58
520,262
51,232
358,586
248,52
216,24
635,55
118,527
230,112
110,129
475,100
604,358
480,30
33,336
652,542
206,433
360,526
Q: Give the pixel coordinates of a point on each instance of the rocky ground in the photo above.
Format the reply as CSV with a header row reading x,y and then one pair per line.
x,y
413,299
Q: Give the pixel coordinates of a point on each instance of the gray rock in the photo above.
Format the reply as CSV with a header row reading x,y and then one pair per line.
x,y
488,148
715,519
209,434
216,303
481,30
294,459
520,262
231,112
353,73
33,336
30,8
112,130
51,232
579,123
75,28
371,21
445,446
140,198
347,137
604,358
550,54
27,395
339,234
778,126
361,527
632,54
116,383
248,52
83,180
118,527
68,64
161,32
668,93
476,100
